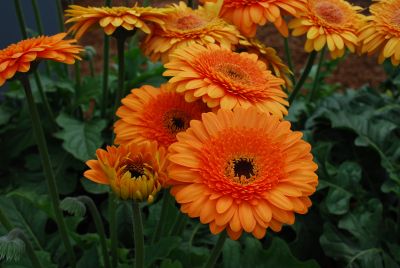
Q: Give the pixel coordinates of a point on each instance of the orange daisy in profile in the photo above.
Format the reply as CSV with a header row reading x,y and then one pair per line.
x,y
155,114
242,170
185,26
247,14
269,56
329,22
111,18
382,32
19,57
225,79
135,171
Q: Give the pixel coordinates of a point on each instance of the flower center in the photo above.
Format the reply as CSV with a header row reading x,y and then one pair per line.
x,y
396,18
233,72
241,170
189,22
176,121
135,166
329,12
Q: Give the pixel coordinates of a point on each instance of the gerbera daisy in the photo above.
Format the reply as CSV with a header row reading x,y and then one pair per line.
x,y
134,171
19,57
185,26
329,22
155,114
382,32
269,56
242,170
247,14
225,79
111,18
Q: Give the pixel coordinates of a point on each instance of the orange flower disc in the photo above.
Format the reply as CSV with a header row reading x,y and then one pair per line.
x,y
110,18
226,79
329,22
382,32
185,26
134,171
155,114
18,57
247,14
242,170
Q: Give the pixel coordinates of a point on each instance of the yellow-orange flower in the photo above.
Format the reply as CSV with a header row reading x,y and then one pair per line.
x,y
382,32
242,170
19,57
269,56
155,114
329,22
247,14
111,18
185,26
225,79
134,171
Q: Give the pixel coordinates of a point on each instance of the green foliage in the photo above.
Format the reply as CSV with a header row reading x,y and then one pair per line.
x,y
11,247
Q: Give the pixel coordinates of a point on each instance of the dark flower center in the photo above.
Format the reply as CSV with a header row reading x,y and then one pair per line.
x,y
135,166
176,121
243,167
233,72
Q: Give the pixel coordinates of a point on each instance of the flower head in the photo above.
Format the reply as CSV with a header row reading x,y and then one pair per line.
x,y
225,79
381,33
185,26
155,114
247,14
242,170
135,171
111,18
269,56
329,22
19,57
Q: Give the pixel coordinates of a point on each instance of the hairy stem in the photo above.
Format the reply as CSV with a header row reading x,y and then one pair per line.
x,y
138,235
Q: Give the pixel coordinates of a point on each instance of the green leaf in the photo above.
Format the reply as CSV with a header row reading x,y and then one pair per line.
x,y
5,115
90,258
94,188
171,264
81,139
231,253
161,249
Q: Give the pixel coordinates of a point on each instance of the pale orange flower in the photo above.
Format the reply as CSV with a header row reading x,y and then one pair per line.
x,y
20,56
247,14
381,34
185,26
329,22
242,170
155,114
225,79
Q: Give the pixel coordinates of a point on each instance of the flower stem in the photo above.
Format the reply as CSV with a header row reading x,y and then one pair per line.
x,y
317,74
121,72
106,55
304,75
164,214
179,223
77,66
21,19
60,15
45,100
288,54
216,251
37,18
112,210
138,235
99,226
48,172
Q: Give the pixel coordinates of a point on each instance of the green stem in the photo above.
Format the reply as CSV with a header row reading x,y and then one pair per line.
x,y
179,222
304,75
138,235
21,19
121,72
48,172
91,67
60,15
99,226
78,81
37,17
5,222
45,100
112,212
317,74
106,54
216,251
164,214
28,248
288,55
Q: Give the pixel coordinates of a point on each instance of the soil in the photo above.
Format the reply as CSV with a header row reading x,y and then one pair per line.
x,y
353,71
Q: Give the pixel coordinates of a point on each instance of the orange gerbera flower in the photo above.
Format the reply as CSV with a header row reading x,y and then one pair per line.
x,y
226,79
185,26
135,171
247,14
111,18
382,32
19,57
155,114
242,170
329,22
269,56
